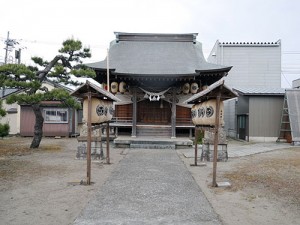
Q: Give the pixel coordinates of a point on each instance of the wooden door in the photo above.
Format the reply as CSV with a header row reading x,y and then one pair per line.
x,y
242,126
153,112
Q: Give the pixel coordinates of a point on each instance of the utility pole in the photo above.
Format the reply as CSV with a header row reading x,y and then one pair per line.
x,y
9,45
6,48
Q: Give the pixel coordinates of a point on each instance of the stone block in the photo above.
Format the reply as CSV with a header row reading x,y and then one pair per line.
x,y
208,152
96,152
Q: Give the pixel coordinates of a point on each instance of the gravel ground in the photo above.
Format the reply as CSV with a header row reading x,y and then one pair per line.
x,y
43,186
264,187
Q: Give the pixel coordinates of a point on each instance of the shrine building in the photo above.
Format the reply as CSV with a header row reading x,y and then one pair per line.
x,y
153,74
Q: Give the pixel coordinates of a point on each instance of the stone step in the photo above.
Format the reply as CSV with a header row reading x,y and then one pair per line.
x,y
152,146
154,131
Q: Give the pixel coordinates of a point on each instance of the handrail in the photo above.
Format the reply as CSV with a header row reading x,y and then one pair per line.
x,y
180,120
122,120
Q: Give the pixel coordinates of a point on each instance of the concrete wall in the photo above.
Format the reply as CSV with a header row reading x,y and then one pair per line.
x,y
264,117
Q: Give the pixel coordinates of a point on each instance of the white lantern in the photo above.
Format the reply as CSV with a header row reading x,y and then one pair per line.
x,y
204,87
186,88
205,113
102,110
114,87
194,88
122,87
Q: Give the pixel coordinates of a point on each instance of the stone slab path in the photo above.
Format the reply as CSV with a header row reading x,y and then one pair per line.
x,y
149,187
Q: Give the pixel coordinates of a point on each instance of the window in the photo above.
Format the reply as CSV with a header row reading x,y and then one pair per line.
x,y
80,116
56,115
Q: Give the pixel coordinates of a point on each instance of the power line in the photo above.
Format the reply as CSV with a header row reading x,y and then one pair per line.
x,y
286,79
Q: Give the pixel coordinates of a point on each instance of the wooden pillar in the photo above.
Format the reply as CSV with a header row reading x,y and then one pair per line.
x,y
134,112
196,145
116,131
173,117
107,144
101,146
216,141
89,138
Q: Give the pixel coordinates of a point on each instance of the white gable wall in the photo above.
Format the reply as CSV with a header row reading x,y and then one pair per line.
x,y
257,65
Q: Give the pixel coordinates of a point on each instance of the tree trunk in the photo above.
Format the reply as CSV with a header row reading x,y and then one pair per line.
x,y
38,127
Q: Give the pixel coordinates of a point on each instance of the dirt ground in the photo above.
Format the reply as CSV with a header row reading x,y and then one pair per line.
x,y
43,186
265,188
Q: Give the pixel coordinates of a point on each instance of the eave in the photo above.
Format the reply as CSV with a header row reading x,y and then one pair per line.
x,y
96,91
212,92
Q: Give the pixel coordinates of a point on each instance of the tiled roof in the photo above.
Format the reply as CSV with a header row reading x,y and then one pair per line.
x,y
260,91
213,91
7,91
157,55
97,90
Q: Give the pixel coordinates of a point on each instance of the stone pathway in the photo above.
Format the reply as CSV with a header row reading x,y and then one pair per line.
x,y
240,149
149,187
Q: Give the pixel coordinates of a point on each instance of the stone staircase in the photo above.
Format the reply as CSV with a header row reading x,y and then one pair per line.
x,y
152,137
154,131
153,144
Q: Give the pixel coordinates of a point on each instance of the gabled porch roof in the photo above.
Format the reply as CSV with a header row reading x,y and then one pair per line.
x,y
212,92
96,92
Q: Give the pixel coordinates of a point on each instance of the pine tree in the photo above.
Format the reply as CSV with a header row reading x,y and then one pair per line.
x,y
30,79
4,128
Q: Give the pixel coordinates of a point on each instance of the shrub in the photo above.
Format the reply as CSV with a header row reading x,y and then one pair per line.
x,y
4,130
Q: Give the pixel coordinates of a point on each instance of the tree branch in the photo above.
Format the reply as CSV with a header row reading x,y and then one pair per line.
x,y
43,73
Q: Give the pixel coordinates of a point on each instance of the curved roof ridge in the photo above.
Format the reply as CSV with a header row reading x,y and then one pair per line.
x,y
148,57
156,37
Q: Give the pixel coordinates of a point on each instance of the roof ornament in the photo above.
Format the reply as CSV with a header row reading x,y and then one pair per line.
x,y
152,96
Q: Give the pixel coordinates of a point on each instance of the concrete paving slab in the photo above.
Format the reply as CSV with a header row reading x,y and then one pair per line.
x,y
223,184
255,148
240,149
149,187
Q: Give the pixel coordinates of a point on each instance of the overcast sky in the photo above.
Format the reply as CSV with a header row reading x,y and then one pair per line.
x,y
40,26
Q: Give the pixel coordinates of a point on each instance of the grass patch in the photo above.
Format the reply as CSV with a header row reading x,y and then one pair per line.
x,y
275,175
21,146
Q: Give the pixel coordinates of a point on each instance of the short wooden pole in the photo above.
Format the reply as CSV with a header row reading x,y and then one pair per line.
x,y
216,141
89,138
107,143
100,137
196,145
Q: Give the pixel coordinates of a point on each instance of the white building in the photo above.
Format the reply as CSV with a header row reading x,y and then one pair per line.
x,y
256,75
255,64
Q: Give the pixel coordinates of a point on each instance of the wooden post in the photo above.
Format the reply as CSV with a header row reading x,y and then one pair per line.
x,y
196,145
134,112
107,70
89,138
101,147
107,143
116,131
216,140
173,117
